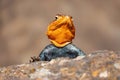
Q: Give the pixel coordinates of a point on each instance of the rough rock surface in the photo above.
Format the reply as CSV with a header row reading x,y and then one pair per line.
x,y
99,65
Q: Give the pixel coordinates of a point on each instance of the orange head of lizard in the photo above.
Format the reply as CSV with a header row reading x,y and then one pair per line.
x,y
61,31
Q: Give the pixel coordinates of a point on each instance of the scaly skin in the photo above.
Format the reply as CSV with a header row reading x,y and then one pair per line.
x,y
61,31
51,52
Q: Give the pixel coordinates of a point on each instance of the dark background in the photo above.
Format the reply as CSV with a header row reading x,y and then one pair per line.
x,y
23,24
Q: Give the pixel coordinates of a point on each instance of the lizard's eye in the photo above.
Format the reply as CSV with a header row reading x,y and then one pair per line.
x,y
56,17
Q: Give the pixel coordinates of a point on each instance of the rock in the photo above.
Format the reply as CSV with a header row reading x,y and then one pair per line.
x,y
104,74
99,65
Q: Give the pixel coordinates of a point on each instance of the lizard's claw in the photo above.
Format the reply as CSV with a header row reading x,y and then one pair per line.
x,y
34,59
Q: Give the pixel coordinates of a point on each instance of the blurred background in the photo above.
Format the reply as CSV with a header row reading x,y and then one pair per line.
x,y
23,25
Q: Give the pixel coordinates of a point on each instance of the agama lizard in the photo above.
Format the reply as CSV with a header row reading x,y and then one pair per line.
x,y
60,32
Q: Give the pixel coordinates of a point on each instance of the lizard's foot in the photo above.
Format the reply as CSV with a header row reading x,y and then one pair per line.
x,y
34,59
